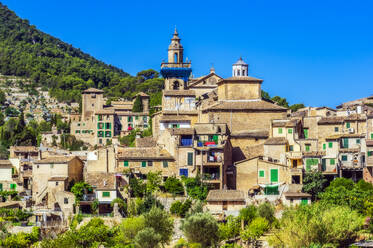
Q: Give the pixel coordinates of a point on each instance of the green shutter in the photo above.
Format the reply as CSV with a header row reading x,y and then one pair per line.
x,y
371,135
332,161
330,144
280,130
348,125
324,146
13,186
358,141
215,138
274,175
307,148
105,194
261,173
323,165
143,163
190,158
125,163
290,130
345,142
165,164
12,171
178,125
304,201
305,133
370,153
1,187
308,164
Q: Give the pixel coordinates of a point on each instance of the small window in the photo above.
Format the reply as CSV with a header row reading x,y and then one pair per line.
x,y
165,164
66,200
330,144
370,153
51,165
344,157
136,118
348,125
261,173
357,141
280,130
332,161
291,148
336,129
125,164
56,183
290,130
13,186
105,194
324,146
308,148
150,163
190,158
143,163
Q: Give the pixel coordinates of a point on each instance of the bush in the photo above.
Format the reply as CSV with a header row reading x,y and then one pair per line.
x,y
195,188
248,213
201,228
255,230
267,211
180,208
174,186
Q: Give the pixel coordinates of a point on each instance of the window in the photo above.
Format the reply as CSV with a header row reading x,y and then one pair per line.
x,y
51,165
186,140
332,161
280,130
290,130
371,135
77,131
304,201
145,119
129,118
330,144
165,164
190,158
348,125
56,183
1,187
336,129
175,125
100,134
308,147
261,173
100,141
108,125
100,125
100,117
105,194
66,200
345,142
13,186
291,148
136,118
125,163
370,153
274,175
344,157
305,131
183,172
150,163
143,163
78,124
108,134
324,146
357,141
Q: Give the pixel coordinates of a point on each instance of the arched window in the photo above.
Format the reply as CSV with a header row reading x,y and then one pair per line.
x,y
176,85
238,72
175,58
243,73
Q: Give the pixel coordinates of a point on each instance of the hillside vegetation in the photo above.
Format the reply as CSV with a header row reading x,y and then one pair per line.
x,y
28,52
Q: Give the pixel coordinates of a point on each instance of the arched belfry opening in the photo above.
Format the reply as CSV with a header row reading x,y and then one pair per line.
x,y
176,85
176,58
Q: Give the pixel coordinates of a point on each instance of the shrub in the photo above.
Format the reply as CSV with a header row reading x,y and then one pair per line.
x,y
174,186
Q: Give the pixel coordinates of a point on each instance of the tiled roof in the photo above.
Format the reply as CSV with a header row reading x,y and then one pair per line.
x,y
225,195
55,160
246,105
210,128
181,131
179,93
143,153
167,118
276,141
285,123
101,180
105,112
24,148
251,134
5,162
57,179
314,154
248,79
93,90
145,142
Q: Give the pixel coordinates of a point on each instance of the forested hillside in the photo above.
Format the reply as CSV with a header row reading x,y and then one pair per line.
x,y
27,52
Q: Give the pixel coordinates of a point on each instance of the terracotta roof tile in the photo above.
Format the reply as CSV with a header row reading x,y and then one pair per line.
x,y
143,153
92,90
246,105
276,141
55,160
179,93
101,180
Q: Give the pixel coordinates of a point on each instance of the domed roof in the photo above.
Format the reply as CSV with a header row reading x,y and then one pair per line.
x,y
240,62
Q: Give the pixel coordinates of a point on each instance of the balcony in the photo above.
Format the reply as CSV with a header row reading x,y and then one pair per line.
x,y
206,144
89,197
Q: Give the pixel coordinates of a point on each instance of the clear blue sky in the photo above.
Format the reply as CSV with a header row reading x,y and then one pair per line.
x,y
315,52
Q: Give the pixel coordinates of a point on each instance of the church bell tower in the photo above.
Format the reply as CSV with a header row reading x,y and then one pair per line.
x,y
175,71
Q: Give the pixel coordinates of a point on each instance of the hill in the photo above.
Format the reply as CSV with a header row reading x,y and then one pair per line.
x,y
28,52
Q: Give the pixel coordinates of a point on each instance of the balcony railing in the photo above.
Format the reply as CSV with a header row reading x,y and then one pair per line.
x,y
89,197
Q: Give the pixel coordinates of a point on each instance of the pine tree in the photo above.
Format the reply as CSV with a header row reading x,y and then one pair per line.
x,y
137,105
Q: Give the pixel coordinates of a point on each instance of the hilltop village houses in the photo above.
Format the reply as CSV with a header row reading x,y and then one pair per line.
x,y
243,146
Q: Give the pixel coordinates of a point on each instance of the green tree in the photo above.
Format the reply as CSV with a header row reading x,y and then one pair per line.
x,y
248,213
230,229
313,183
161,222
195,188
129,228
201,228
174,186
79,189
148,238
255,230
267,211
153,181
296,107
280,101
137,105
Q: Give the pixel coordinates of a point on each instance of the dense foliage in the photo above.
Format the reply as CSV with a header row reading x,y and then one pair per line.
x,y
314,183
27,52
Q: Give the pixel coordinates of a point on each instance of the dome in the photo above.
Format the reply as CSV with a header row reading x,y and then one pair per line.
x,y
240,62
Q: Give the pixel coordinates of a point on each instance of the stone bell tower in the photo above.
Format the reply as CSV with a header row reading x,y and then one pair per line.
x,y
175,71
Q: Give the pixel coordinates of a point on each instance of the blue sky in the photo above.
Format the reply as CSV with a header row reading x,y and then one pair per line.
x,y
316,52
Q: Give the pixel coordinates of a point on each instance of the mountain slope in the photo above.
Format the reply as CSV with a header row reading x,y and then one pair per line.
x,y
28,52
